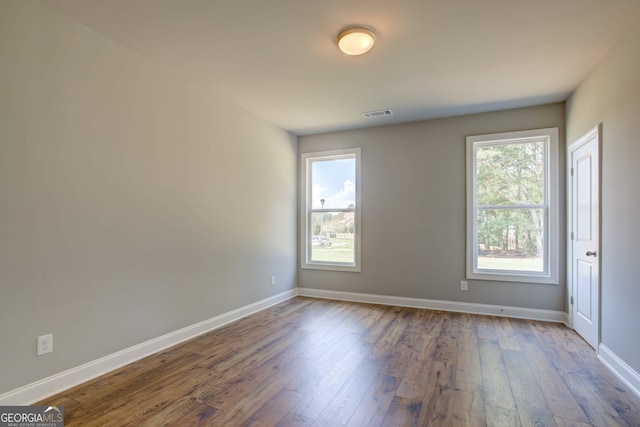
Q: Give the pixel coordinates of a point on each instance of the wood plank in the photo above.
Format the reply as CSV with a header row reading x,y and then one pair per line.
x,y
323,391
375,404
437,405
561,359
563,422
598,410
238,411
275,410
507,337
486,328
386,343
270,343
446,347
561,401
500,417
570,341
327,347
132,376
295,420
346,401
212,347
378,329
169,399
370,315
522,329
468,405
173,411
200,416
585,363
399,358
531,404
416,376
316,370
116,396
469,369
238,385
402,413
495,380
618,396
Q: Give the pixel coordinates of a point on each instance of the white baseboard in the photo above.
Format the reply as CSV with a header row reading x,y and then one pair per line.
x,y
57,383
462,307
620,368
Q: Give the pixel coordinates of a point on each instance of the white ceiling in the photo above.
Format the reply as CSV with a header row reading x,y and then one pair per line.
x,y
433,58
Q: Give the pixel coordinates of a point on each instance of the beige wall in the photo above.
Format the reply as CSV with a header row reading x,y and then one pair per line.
x,y
611,95
132,203
413,210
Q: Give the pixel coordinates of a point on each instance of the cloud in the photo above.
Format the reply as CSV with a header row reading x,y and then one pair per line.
x,y
341,199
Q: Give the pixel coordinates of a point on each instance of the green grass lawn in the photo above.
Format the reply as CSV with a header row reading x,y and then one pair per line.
x,y
515,263
341,250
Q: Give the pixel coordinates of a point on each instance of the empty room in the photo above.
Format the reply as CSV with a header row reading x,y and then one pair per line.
x,y
340,213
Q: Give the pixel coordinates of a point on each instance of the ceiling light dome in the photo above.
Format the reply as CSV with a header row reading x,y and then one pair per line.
x,y
356,40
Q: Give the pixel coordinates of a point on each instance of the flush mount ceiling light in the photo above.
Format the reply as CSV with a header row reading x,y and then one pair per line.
x,y
356,40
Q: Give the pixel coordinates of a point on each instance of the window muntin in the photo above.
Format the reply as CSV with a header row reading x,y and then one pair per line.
x,y
330,224
512,209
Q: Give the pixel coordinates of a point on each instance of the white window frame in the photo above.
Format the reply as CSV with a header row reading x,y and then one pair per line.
x,y
306,159
551,207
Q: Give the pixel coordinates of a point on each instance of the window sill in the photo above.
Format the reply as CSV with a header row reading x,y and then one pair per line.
x,y
331,267
510,277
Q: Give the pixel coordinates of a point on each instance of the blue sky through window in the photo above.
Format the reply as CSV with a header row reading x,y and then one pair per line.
x,y
335,182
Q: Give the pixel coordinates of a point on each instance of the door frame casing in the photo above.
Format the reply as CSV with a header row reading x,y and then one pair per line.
x,y
575,145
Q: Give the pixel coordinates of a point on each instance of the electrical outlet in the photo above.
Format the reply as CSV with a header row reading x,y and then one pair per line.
x,y
463,285
273,280
45,344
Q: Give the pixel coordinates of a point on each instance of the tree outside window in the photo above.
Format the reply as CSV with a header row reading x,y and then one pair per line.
x,y
512,206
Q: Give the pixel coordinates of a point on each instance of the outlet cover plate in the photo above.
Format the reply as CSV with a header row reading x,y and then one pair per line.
x,y
45,344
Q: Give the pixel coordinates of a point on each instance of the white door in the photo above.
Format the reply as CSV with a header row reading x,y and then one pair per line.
x,y
584,228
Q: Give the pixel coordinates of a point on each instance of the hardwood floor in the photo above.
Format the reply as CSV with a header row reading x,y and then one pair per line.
x,y
309,362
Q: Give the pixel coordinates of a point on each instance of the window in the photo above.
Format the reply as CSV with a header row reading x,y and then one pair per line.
x,y
512,206
330,225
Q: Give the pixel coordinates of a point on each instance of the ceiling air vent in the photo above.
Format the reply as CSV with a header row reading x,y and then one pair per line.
x,y
379,113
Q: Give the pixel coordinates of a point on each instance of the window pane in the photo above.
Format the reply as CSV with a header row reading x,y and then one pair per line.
x,y
333,237
330,195
511,239
508,174
334,182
